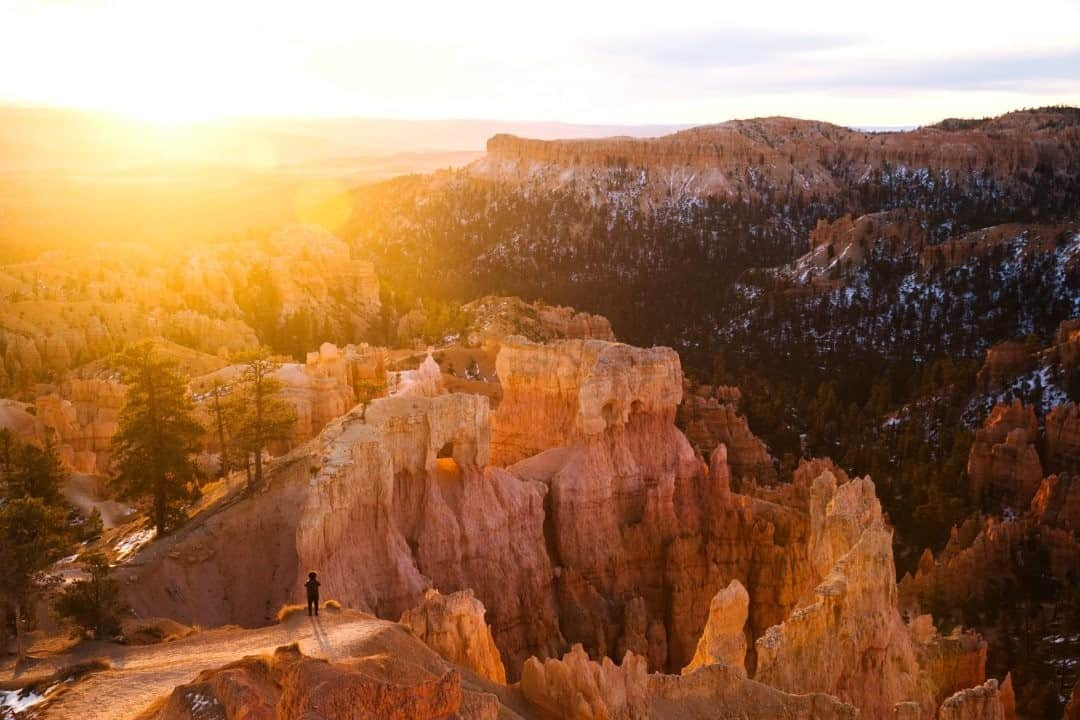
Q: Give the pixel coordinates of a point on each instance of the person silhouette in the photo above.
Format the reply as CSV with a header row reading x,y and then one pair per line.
x,y
312,586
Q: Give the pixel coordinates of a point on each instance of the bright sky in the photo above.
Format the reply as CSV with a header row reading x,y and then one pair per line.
x,y
848,61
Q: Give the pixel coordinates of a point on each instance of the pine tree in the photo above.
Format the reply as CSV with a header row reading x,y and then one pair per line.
x,y
35,472
8,443
264,417
93,604
158,435
33,535
218,407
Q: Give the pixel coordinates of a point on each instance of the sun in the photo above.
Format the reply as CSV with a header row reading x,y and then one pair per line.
x,y
186,74
170,90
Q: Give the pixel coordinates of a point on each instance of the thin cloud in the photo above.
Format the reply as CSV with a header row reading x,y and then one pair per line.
x,y
723,47
763,70
1005,71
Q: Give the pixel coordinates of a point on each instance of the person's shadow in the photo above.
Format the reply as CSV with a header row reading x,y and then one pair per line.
x,y
319,634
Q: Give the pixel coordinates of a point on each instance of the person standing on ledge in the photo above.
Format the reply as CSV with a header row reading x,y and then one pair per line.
x,y
312,586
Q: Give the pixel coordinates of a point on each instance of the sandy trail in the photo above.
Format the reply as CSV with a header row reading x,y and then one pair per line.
x,y
143,674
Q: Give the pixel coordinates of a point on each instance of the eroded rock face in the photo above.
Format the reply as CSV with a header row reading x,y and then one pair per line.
x,y
495,318
1063,438
721,691
322,388
95,302
1004,362
951,662
374,508
82,413
453,626
1003,461
978,703
79,417
724,639
1038,239
1057,503
710,417
616,539
847,242
398,497
561,392
850,633
804,156
633,512
289,684
577,687
962,571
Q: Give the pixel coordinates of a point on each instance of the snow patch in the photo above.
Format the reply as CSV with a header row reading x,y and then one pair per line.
x,y
129,545
15,702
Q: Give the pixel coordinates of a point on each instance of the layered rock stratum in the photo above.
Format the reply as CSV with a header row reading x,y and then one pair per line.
x,y
807,156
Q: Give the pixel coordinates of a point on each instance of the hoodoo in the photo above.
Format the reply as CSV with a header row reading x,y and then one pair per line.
x,y
602,534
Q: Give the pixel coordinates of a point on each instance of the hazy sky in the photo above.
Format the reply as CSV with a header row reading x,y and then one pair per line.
x,y
852,62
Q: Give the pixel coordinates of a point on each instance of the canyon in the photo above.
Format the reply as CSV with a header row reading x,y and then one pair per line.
x,y
589,566
516,515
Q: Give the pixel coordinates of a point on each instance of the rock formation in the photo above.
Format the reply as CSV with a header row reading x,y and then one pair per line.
x,y
982,702
325,386
953,662
580,688
805,156
79,418
614,537
556,394
70,310
847,243
1003,461
1057,503
1063,438
1037,239
723,641
398,489
453,626
289,684
1004,362
962,571
710,417
1065,350
851,632
576,687
425,381
494,318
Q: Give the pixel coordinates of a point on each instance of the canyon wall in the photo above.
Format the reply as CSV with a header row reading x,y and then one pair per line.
x,y
710,417
813,156
617,540
556,394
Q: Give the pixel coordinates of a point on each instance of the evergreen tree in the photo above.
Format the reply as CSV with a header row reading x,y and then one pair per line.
x,y
217,405
35,472
93,605
263,416
33,535
8,443
153,449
